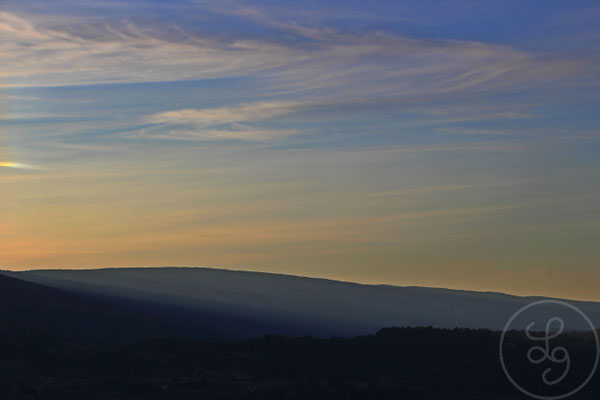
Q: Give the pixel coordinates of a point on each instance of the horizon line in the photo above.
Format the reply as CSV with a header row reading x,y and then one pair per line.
x,y
301,277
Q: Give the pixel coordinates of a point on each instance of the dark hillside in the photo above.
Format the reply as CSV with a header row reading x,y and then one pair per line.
x,y
407,363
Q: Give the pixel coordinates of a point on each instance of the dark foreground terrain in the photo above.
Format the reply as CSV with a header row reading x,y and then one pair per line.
x,y
408,363
56,344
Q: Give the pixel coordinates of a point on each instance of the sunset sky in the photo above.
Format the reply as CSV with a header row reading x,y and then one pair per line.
x,y
433,143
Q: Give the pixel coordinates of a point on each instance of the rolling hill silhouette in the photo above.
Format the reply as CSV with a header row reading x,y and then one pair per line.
x,y
250,304
43,313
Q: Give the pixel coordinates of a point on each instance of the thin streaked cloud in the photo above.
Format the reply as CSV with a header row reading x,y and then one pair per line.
x,y
41,54
426,189
217,123
224,115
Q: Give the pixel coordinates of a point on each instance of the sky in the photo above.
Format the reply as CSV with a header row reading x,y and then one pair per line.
x,y
430,143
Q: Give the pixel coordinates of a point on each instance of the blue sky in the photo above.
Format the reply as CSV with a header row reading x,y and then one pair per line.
x,y
410,142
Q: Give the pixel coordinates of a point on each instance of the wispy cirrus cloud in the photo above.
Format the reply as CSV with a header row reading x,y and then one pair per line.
x,y
426,189
217,123
39,53
236,132
223,115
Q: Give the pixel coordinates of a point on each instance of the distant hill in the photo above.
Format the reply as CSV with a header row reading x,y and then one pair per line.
x,y
253,303
32,310
38,314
